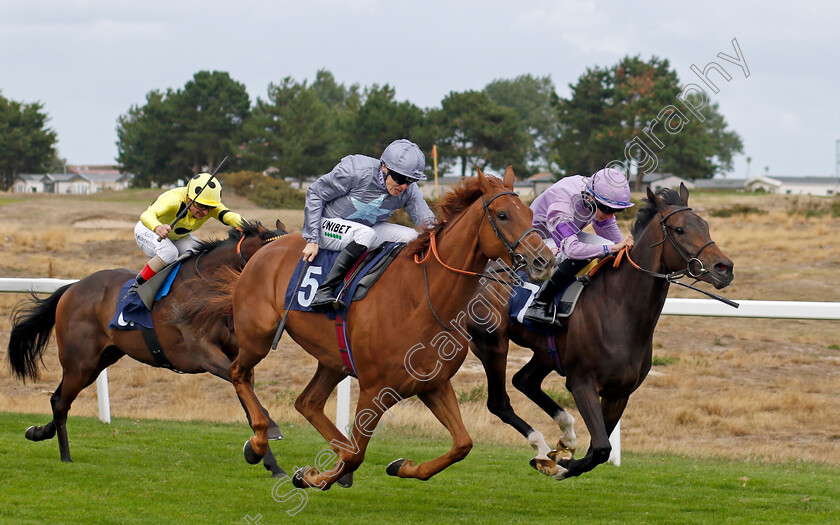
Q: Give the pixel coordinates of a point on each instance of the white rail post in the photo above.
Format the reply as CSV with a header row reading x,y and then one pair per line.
x,y
102,397
615,443
342,406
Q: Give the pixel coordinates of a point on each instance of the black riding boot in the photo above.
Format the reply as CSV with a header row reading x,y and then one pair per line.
x,y
543,310
136,284
325,297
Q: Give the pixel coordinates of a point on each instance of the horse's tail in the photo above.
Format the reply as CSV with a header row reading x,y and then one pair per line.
x,y
32,323
216,301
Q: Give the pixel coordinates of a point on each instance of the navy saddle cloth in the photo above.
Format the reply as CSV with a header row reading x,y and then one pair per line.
x,y
367,271
131,313
521,298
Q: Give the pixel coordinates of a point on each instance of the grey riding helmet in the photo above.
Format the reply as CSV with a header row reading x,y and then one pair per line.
x,y
405,157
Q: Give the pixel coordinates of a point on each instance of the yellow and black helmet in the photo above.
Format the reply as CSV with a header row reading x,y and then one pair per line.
x,y
211,195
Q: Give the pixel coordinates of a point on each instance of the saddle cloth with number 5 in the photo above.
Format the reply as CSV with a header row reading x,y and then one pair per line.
x,y
357,282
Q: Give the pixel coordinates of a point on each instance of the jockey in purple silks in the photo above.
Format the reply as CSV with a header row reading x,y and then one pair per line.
x,y
560,215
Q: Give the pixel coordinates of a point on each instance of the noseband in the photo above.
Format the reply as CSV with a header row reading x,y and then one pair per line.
x,y
238,249
673,277
691,262
242,239
517,259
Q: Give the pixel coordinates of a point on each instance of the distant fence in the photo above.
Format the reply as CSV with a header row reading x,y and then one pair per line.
x,y
694,307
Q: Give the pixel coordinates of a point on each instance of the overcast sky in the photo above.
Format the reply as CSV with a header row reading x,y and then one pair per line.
x,y
89,61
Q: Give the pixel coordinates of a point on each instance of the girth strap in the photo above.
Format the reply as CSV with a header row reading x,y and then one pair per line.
x,y
156,349
344,345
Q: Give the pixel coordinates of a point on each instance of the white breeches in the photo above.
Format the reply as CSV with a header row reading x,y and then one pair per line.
x,y
167,250
336,234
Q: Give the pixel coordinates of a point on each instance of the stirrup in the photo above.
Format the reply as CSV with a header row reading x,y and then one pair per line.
x,y
330,302
546,316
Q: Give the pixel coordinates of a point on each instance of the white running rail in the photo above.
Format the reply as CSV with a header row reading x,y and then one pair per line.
x,y
696,307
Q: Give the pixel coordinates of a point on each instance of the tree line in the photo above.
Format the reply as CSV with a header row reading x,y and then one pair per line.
x,y
301,128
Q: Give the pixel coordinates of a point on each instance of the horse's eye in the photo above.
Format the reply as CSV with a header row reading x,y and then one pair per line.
x,y
679,230
502,215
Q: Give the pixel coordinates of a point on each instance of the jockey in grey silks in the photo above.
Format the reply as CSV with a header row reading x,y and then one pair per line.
x,y
348,208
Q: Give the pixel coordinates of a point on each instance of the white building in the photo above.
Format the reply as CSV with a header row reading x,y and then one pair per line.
x,y
820,186
657,181
79,180
29,183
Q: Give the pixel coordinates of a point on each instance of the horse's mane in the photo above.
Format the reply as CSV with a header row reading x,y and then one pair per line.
x,y
248,228
454,202
216,285
648,212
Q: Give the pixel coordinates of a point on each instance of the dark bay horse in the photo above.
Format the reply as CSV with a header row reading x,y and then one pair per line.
x,y
81,312
605,348
405,336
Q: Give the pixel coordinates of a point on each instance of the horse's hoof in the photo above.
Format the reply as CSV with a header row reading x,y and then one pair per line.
x,y
297,479
279,473
346,480
394,467
560,454
274,433
30,433
544,466
561,473
250,455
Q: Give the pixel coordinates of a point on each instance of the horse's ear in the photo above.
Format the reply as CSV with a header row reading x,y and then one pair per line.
x,y
651,197
510,178
683,194
281,226
483,183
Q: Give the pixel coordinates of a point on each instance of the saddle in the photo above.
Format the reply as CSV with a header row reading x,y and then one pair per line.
x,y
148,291
357,283
564,301
133,311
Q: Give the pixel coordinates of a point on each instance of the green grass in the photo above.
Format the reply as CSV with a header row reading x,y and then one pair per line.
x,y
476,393
193,472
562,397
664,360
737,209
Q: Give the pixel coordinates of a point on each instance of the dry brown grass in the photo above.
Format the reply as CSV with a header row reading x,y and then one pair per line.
x,y
762,389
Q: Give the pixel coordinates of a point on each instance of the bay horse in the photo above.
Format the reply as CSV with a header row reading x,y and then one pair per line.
x,y
605,347
400,334
81,312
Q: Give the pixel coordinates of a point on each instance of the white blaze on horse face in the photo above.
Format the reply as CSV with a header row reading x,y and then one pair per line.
x,y
537,440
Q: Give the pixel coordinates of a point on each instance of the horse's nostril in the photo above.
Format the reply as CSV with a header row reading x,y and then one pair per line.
x,y
723,268
540,263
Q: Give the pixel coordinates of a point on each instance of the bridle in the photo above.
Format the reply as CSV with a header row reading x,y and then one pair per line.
x,y
690,262
517,259
238,249
244,235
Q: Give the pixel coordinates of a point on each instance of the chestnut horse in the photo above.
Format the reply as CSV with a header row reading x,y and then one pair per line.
x,y
604,350
82,311
390,331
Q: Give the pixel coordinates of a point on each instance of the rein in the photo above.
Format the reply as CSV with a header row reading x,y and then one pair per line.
x,y
517,259
238,250
673,277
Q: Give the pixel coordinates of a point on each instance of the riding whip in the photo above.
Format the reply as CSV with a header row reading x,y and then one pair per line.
x,y
279,333
183,212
